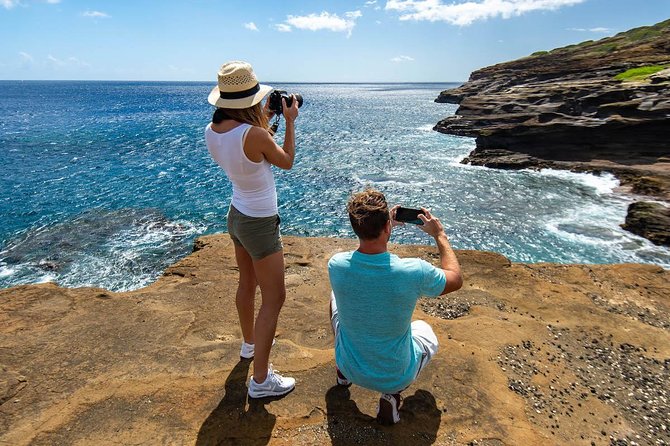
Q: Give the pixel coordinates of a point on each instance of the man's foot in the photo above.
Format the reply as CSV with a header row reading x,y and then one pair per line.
x,y
387,412
341,379
274,385
247,350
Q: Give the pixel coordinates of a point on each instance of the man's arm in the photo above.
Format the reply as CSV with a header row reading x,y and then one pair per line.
x,y
448,261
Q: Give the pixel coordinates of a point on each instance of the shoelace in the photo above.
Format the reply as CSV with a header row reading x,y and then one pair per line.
x,y
275,375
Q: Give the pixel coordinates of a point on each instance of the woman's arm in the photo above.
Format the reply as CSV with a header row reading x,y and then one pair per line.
x,y
259,144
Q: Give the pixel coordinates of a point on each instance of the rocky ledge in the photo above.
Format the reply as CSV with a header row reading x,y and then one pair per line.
x,y
596,106
538,354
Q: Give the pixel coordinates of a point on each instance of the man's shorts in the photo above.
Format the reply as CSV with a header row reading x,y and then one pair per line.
x,y
422,334
259,236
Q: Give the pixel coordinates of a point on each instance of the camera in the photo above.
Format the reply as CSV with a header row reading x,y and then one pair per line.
x,y
276,97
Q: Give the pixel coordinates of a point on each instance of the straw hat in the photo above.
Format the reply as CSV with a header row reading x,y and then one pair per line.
x,y
237,87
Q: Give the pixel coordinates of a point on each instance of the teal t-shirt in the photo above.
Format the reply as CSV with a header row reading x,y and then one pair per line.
x,y
376,295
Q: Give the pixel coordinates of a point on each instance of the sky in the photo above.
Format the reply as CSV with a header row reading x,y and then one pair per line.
x,y
296,41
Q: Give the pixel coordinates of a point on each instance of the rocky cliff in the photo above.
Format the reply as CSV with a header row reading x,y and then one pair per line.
x,y
595,106
529,355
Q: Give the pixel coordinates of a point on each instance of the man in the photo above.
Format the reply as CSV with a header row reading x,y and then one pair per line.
x,y
377,346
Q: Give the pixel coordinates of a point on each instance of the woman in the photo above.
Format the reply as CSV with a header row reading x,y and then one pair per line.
x,y
239,141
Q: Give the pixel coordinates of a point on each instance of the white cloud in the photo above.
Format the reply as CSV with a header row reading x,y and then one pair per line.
x,y
96,14
25,57
70,61
9,4
398,59
282,27
55,60
371,2
323,21
468,12
599,29
251,26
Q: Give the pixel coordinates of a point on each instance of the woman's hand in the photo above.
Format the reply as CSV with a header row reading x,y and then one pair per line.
x,y
266,109
290,113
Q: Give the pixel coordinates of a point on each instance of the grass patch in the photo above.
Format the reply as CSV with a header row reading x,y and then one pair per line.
x,y
638,74
643,33
539,53
608,47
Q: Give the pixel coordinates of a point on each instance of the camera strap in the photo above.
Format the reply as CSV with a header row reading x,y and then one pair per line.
x,y
275,125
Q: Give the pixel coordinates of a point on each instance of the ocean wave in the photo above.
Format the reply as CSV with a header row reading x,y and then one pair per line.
x,y
603,183
115,249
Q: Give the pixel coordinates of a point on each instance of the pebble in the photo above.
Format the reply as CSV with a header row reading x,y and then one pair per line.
x,y
619,375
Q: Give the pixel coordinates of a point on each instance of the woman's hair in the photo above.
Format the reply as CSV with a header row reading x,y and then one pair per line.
x,y
253,115
368,213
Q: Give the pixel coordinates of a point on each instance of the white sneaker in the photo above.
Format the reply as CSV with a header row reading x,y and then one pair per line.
x,y
247,350
274,385
387,411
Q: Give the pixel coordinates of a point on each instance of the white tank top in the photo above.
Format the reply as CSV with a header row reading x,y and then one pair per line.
x,y
254,192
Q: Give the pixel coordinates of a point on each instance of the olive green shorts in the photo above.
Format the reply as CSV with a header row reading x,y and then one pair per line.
x,y
259,236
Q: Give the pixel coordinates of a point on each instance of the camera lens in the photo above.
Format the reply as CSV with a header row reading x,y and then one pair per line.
x,y
289,100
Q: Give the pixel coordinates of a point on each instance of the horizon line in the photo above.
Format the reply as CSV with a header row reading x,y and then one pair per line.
x,y
210,82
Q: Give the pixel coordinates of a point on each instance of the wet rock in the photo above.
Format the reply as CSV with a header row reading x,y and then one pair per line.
x,y
649,220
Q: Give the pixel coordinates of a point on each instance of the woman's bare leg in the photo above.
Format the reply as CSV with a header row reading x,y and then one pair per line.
x,y
246,293
270,276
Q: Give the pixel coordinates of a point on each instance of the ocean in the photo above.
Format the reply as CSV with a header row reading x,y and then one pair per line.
x,y
107,183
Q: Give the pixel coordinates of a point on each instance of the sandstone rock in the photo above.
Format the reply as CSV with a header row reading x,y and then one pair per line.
x,y
660,77
529,354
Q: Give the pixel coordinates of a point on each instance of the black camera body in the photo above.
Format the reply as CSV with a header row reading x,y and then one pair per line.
x,y
276,97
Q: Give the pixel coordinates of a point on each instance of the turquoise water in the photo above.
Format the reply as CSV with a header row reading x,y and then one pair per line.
x,y
106,184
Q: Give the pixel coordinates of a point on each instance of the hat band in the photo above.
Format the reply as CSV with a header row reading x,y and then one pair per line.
x,y
240,94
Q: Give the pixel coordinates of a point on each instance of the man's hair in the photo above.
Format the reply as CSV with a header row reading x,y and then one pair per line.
x,y
368,213
253,115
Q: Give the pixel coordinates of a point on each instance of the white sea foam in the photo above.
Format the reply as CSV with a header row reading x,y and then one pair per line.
x,y
605,183
6,271
598,226
119,250
426,127
47,278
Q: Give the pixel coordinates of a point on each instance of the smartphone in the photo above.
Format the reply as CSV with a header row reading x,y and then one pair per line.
x,y
408,215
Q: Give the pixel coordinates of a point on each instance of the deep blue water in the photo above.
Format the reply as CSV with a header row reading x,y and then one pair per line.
x,y
107,183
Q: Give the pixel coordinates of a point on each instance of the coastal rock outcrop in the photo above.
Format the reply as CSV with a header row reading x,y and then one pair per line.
x,y
595,106
530,354
649,220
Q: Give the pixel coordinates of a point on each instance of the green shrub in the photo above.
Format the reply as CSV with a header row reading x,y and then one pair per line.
x,y
639,74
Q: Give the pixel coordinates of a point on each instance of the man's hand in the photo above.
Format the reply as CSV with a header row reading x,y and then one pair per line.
x,y
392,212
448,260
431,225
